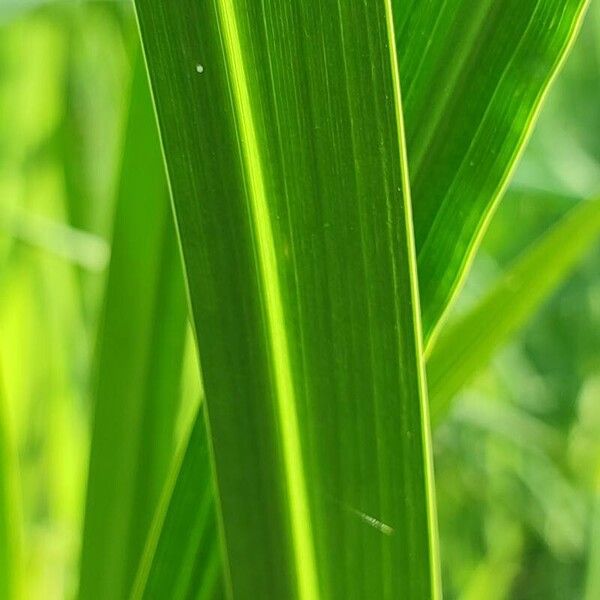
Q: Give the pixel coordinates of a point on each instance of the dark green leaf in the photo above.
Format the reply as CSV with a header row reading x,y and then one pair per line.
x,y
281,125
183,551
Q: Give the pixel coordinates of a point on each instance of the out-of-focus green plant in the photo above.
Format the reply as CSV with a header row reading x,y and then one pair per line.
x,y
10,535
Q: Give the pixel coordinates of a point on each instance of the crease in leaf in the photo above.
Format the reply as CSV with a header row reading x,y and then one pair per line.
x,y
272,298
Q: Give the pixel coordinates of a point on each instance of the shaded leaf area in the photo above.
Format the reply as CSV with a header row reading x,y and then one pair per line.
x,y
293,211
473,78
183,557
138,365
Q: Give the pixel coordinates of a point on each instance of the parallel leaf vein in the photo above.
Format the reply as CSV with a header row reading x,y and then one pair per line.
x,y
299,513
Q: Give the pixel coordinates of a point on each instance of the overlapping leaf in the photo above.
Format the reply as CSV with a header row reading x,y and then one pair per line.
x,y
473,81
282,133
473,78
480,332
138,365
183,554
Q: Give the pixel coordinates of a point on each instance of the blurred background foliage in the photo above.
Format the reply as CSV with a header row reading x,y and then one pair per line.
x,y
518,457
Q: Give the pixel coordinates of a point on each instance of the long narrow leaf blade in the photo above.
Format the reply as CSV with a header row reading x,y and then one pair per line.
x,y
474,75
139,363
183,554
465,346
281,126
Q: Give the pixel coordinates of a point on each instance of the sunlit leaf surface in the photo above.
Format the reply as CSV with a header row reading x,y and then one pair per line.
x,y
473,76
283,138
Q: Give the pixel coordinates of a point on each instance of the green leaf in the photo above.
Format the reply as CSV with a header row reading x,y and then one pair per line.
x,y
282,131
536,273
139,361
474,75
524,67
10,552
466,345
183,553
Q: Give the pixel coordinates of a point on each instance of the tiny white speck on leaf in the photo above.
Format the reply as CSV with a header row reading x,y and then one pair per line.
x,y
199,68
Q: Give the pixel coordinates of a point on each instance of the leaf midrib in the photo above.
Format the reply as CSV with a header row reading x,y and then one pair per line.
x,y
297,497
432,532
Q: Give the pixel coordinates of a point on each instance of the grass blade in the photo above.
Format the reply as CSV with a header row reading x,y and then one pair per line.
x,y
529,281
465,346
183,553
139,365
474,76
292,203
